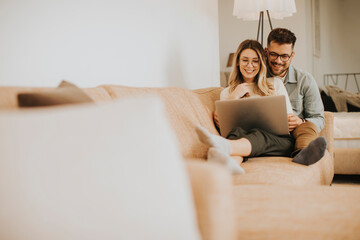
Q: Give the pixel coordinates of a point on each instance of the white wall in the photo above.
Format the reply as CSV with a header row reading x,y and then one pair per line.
x,y
340,38
233,31
91,42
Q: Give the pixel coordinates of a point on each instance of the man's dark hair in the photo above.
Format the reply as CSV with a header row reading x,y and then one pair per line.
x,y
281,36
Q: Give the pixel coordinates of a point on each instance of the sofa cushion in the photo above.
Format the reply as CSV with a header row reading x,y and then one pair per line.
x,y
184,108
347,161
297,212
65,93
214,199
93,172
282,171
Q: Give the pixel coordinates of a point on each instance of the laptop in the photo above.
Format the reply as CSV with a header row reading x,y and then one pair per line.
x,y
268,113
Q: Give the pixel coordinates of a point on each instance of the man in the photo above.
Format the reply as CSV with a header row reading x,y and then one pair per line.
x,y
304,95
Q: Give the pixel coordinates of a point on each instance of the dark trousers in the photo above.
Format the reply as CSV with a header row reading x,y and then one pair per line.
x,y
264,143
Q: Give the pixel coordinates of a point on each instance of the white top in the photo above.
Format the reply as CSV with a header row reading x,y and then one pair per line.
x,y
279,90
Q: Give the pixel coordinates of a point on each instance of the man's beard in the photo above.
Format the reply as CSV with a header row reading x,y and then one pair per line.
x,y
271,70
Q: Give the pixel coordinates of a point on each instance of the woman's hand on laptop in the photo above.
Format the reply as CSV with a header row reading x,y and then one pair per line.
x,y
240,91
293,121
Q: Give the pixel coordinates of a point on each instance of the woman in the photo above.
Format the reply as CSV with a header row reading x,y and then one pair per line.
x,y
248,79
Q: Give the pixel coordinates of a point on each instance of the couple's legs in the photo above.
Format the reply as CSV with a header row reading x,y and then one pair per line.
x,y
309,147
241,143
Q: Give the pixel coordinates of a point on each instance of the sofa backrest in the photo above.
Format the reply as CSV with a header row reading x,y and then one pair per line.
x,y
185,108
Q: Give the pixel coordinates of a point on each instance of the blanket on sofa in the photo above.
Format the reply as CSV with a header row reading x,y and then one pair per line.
x,y
341,98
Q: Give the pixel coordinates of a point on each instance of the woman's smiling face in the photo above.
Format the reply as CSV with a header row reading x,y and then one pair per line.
x,y
249,64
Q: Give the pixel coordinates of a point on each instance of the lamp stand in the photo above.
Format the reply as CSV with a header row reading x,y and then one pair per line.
x,y
261,22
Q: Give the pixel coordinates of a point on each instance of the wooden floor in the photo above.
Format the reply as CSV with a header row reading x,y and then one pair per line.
x,y
343,180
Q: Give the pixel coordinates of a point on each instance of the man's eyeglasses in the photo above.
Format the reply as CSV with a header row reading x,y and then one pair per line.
x,y
284,57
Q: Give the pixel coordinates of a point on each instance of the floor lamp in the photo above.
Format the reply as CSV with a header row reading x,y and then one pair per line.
x,y
261,23
249,10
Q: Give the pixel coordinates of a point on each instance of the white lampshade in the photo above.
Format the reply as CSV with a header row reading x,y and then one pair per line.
x,y
250,9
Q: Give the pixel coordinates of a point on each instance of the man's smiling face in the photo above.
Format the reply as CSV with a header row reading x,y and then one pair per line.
x,y
279,57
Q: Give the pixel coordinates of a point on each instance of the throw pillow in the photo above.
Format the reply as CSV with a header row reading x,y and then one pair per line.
x,y
112,171
65,93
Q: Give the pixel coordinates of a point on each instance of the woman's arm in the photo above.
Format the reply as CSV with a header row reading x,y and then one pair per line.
x,y
224,95
240,91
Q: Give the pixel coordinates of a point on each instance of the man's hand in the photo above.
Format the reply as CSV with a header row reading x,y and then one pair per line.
x,y
293,121
216,119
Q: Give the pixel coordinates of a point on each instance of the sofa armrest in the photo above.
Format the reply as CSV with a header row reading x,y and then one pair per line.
x,y
328,132
214,200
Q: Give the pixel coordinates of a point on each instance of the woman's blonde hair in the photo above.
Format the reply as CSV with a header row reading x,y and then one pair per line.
x,y
263,87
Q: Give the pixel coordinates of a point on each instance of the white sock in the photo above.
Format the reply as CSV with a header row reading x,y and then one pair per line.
x,y
214,155
212,140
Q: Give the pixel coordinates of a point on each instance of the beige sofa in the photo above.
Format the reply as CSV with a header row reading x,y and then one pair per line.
x,y
346,142
275,199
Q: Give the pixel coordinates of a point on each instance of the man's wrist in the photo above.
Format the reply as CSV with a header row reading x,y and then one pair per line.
x,y
300,121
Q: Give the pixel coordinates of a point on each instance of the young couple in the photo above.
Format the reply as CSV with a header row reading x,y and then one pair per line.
x,y
257,72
